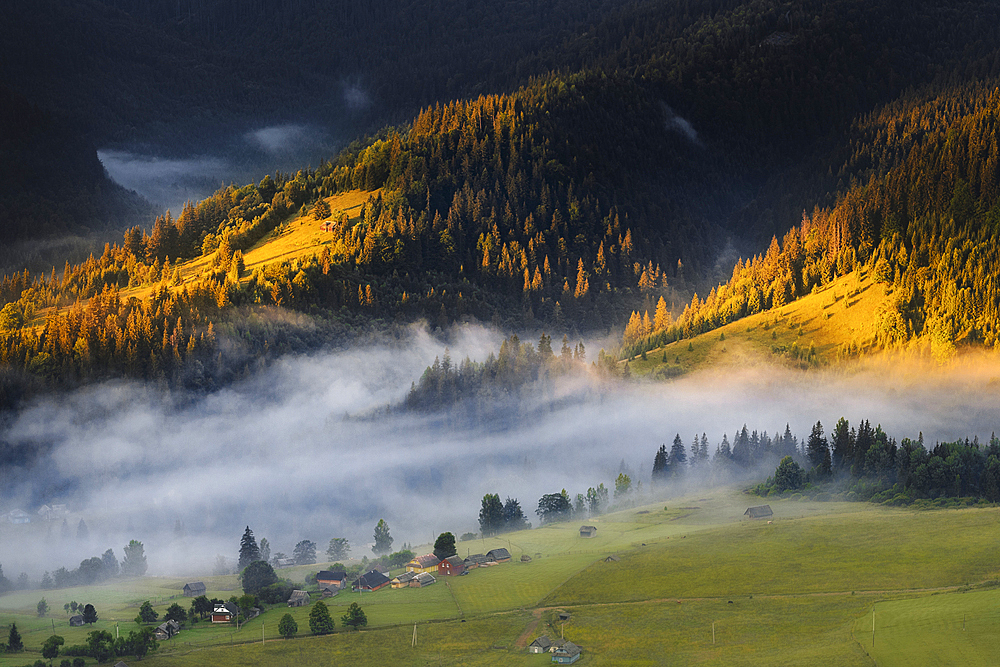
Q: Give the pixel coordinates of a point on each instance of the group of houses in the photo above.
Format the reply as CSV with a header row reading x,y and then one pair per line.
x,y
563,652
46,512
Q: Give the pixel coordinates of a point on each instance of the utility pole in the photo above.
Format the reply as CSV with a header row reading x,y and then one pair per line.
x,y
414,642
713,632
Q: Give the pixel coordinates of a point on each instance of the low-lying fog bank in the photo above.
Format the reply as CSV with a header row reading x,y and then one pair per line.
x,y
278,454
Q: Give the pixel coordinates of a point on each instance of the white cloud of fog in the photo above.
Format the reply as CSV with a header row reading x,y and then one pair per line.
x,y
355,97
283,140
168,182
278,454
682,126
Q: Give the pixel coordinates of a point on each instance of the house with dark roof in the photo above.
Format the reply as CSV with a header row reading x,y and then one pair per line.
x,y
452,566
76,621
194,589
759,512
498,555
371,581
224,613
425,563
566,654
337,578
165,631
474,561
299,599
540,645
588,531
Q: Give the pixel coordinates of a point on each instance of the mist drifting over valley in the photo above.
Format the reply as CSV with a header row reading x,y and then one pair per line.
x,y
306,450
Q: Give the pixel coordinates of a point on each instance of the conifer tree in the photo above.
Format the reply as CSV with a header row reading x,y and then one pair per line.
x,y
249,552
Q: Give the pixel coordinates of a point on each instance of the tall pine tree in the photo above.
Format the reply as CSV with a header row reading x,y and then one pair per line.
x,y
249,552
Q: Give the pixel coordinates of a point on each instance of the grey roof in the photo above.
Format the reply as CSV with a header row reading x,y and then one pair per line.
x,y
299,595
455,560
497,554
195,586
569,648
405,577
542,642
425,578
759,511
477,559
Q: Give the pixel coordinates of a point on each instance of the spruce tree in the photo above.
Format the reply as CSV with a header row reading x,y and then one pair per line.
x,y
660,464
383,540
249,552
678,455
320,620
14,643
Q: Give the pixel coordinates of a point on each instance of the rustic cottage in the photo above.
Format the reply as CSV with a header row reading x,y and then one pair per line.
x,y
422,579
759,512
224,613
588,531
566,654
335,578
452,566
194,589
76,621
165,631
474,561
425,563
540,645
403,580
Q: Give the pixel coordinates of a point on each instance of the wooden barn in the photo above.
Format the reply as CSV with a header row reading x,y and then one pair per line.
x,y
540,645
403,580
474,561
165,631
76,621
452,566
588,531
194,589
337,578
425,563
759,512
422,579
498,555
299,599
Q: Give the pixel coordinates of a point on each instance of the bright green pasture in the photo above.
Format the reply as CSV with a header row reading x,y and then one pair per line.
x,y
878,549
944,629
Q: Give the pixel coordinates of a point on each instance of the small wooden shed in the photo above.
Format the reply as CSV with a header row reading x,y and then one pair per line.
x,y
759,512
194,589
298,599
588,531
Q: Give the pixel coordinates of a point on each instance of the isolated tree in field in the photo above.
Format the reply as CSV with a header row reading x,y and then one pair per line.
x,y
249,552
788,475
287,627
42,607
383,540
338,549
256,576
355,617
14,642
175,612
513,516
320,620
554,507
89,614
818,451
50,648
491,515
265,549
134,562
304,553
146,613
660,464
444,546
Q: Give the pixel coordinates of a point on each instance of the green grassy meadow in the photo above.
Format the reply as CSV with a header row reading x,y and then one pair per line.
x,y
794,592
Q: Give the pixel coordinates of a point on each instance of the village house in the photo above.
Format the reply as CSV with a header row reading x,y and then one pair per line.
x,y
224,613
759,512
334,578
329,591
53,512
194,589
566,654
452,566
298,599
165,631
425,563
18,516
76,621
588,531
403,580
498,555
540,645
422,579
284,562
371,581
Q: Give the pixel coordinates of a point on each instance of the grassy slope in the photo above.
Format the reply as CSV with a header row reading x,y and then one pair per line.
x,y
798,588
841,313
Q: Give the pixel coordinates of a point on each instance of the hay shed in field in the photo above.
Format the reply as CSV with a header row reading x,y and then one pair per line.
x,y
759,512
588,531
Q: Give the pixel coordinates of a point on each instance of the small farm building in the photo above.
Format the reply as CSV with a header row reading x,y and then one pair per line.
x,y
403,580
165,631
298,599
498,555
425,563
588,531
371,581
452,566
540,645
329,591
759,512
194,589
18,516
566,654
474,561
422,579
76,621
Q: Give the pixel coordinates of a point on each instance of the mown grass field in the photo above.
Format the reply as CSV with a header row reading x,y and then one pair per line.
x,y
795,592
